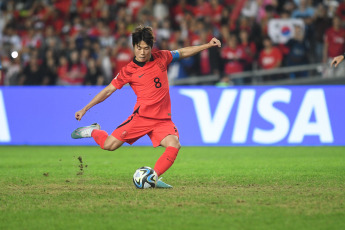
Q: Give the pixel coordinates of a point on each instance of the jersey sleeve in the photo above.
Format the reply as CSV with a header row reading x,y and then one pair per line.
x,y
167,56
175,55
120,79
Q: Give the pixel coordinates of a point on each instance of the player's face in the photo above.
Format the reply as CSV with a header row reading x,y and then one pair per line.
x,y
142,52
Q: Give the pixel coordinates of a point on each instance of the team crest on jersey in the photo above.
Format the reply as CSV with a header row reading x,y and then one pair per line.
x,y
161,66
124,134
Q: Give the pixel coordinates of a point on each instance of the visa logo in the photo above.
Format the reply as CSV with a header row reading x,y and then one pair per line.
x,y
4,129
312,117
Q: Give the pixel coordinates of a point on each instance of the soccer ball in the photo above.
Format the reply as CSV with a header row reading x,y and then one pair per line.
x,y
145,177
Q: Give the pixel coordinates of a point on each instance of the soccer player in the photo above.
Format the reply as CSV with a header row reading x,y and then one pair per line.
x,y
147,75
336,61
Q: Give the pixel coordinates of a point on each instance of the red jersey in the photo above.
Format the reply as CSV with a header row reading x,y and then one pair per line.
x,y
150,83
269,60
336,42
233,65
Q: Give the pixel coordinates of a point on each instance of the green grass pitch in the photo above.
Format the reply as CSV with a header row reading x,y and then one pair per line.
x,y
214,188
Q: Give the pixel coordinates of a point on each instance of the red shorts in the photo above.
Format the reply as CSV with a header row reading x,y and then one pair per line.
x,y
136,127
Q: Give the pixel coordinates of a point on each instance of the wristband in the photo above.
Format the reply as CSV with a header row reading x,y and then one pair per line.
x,y
343,55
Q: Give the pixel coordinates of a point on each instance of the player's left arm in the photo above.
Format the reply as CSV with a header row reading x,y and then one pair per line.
x,y
192,50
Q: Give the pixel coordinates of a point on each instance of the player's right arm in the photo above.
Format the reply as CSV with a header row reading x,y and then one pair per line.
x,y
336,61
101,96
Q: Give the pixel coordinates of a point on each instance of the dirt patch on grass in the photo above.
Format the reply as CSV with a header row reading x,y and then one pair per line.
x,y
81,166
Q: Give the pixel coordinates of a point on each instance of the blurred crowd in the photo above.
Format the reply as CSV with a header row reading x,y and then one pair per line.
x,y
86,42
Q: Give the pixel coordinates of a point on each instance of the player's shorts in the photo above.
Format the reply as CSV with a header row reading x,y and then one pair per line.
x,y
136,127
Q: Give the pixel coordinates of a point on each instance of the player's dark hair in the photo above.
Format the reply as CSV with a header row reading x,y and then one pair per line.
x,y
143,33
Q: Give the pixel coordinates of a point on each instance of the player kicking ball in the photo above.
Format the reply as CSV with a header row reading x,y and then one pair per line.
x,y
147,75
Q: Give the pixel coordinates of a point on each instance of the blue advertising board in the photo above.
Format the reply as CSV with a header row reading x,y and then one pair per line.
x,y
209,115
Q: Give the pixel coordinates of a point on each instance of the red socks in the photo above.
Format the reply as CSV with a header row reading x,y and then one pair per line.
x,y
166,160
99,136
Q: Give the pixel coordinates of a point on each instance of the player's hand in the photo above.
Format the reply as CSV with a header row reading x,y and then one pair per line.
x,y
336,61
215,42
79,114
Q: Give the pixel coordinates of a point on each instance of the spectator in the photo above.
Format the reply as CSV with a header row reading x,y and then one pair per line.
x,y
340,10
202,9
216,11
270,58
164,30
146,9
134,6
160,10
303,10
249,48
334,44
298,54
106,39
10,39
72,73
94,75
233,56
179,10
320,24
77,69
33,74
121,30
84,56
106,65
85,8
121,54
62,71
207,61
270,13
250,9
262,8
51,40
333,8
11,71
50,70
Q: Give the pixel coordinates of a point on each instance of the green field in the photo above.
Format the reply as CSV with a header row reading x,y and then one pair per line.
x,y
214,188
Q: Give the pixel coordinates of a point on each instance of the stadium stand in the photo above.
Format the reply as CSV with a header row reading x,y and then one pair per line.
x,y
86,42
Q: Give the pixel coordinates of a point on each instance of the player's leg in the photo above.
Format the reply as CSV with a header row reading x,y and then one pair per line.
x,y
112,143
105,141
101,137
167,159
172,146
165,134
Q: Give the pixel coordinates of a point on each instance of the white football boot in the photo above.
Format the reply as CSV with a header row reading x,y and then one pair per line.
x,y
85,131
161,184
